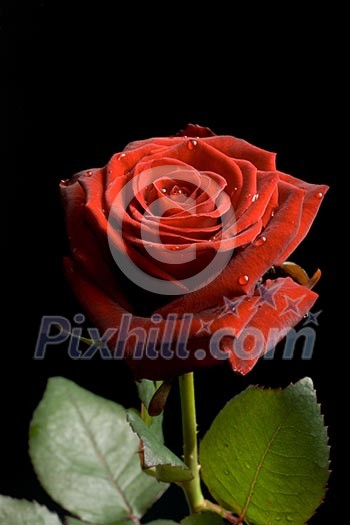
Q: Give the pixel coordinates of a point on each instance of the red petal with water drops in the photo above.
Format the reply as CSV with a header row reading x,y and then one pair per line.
x,y
269,324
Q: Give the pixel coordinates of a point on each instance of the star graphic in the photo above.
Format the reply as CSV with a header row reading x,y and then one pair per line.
x,y
205,326
267,295
292,305
231,306
312,318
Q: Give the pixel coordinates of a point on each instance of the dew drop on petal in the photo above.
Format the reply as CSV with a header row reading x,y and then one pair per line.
x,y
255,197
163,190
174,248
319,195
260,241
191,144
121,156
89,173
272,213
64,182
243,279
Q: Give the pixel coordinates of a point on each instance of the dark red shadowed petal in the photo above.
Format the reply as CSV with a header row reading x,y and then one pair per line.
x,y
195,130
106,314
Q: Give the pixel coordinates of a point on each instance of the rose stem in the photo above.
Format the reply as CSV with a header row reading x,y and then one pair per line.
x,y
191,488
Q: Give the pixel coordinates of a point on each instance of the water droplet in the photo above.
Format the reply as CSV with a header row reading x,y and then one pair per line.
x,y
289,518
89,173
255,197
247,465
306,316
64,182
319,195
191,144
260,241
243,279
235,188
248,195
121,156
272,213
213,238
278,518
226,472
164,190
174,248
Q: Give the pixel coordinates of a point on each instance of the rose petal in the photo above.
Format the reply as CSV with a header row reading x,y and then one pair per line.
x,y
241,149
253,261
247,315
89,252
292,302
95,215
195,130
313,198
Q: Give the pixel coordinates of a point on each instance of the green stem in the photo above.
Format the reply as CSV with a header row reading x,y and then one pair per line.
x,y
191,488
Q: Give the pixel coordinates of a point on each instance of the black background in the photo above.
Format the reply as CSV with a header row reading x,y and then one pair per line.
x,y
84,81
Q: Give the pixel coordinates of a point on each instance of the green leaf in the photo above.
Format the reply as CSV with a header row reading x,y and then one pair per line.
x,y
146,390
266,456
73,521
162,522
157,459
85,455
204,518
22,512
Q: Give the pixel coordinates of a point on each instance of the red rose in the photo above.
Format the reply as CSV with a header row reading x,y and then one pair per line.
x,y
187,227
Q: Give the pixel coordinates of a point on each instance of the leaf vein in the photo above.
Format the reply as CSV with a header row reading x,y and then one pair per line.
x,y
100,457
258,469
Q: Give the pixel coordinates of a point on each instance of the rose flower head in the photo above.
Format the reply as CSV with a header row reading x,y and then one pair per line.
x,y
172,245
